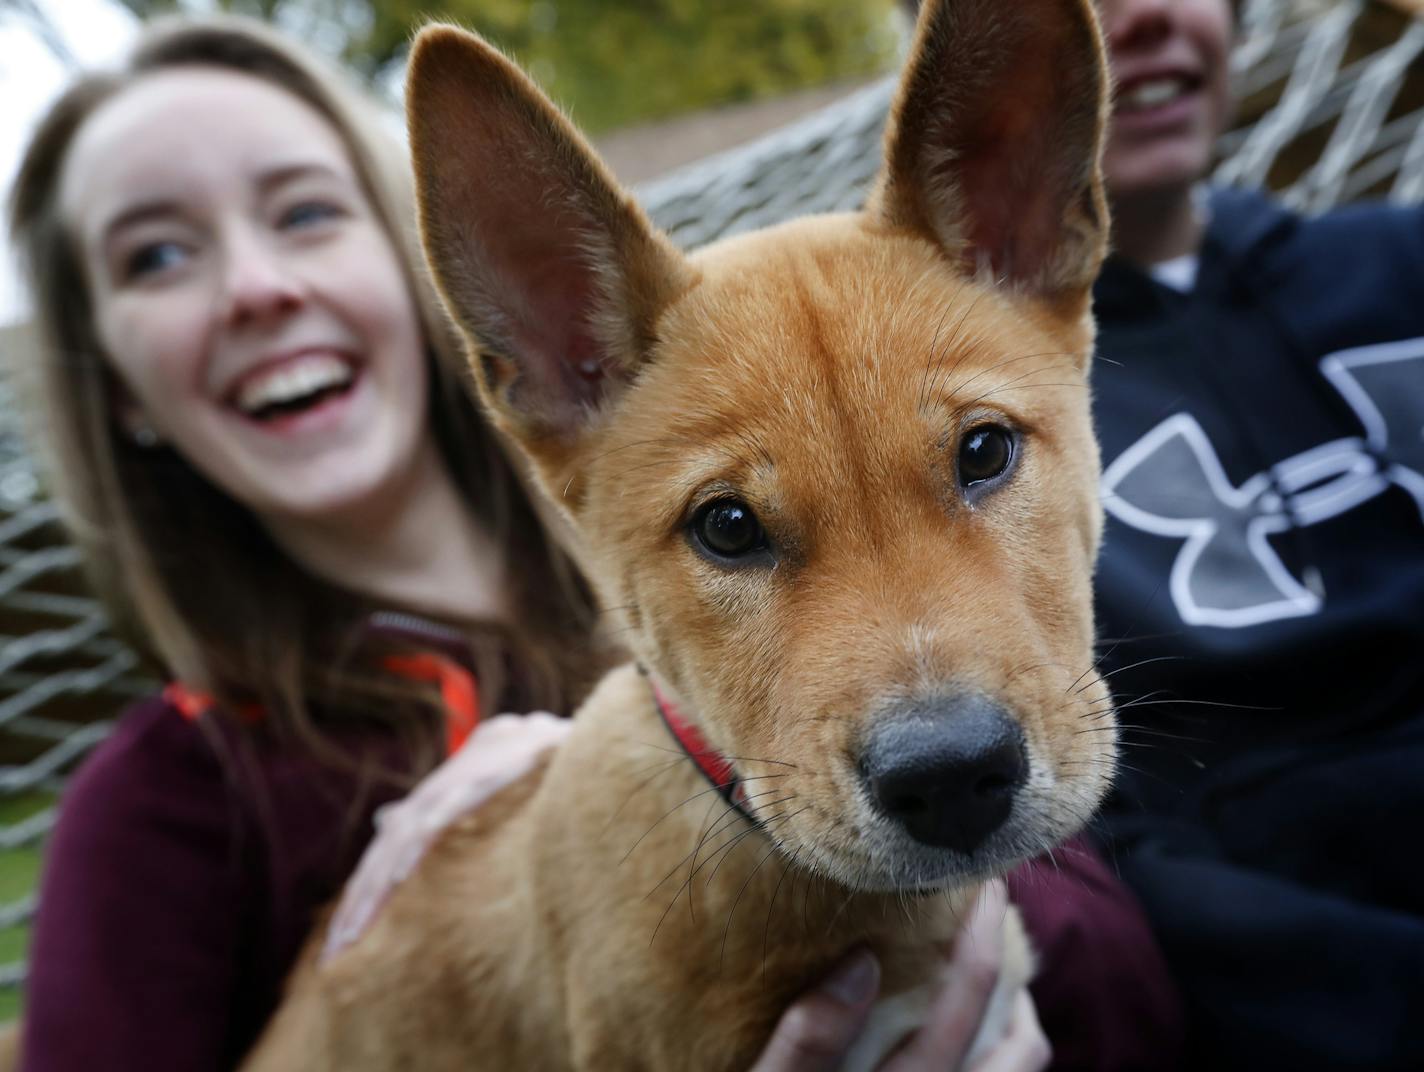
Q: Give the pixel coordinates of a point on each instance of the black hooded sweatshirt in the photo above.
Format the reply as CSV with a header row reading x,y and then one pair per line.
x,y
1261,604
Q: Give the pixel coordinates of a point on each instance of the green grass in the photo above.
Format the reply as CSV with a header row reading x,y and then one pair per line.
x,y
19,873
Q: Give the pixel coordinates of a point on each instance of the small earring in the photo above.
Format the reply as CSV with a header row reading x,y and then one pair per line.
x,y
144,435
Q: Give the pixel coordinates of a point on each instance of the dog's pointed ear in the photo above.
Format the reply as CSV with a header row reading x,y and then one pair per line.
x,y
994,143
546,264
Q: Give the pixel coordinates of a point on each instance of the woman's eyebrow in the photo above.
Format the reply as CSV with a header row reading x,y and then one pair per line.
x,y
267,180
138,212
278,174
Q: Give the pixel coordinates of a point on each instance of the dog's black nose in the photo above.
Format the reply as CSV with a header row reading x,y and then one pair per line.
x,y
947,771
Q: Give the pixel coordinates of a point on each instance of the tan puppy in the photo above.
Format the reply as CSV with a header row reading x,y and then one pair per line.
x,y
837,483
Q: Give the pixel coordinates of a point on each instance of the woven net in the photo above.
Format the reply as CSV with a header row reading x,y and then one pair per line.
x,y
1332,97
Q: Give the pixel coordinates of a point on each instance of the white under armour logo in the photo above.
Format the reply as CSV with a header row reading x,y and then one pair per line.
x,y
1171,483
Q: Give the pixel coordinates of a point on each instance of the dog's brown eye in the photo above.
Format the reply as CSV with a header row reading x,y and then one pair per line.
x,y
728,529
985,452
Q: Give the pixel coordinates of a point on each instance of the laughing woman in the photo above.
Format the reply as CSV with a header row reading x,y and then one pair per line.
x,y
287,500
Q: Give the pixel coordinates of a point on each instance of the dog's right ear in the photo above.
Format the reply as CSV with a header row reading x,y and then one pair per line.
x,y
554,273
994,142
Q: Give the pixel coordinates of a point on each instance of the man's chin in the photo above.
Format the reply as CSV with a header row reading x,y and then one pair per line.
x,y
1153,172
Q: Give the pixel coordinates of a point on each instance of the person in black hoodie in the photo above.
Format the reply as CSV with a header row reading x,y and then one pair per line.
x,y
1259,398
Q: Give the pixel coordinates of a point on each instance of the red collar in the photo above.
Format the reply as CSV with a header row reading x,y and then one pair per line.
x,y
715,767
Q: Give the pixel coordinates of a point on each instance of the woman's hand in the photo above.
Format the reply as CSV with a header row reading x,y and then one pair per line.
x,y
500,751
816,1033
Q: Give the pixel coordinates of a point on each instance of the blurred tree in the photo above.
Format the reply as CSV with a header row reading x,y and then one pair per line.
x,y
612,62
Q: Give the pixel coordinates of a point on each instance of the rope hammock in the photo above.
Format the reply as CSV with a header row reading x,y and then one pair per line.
x,y
1331,102
1331,97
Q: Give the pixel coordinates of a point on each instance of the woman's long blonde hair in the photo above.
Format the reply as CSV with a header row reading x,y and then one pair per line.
x,y
188,574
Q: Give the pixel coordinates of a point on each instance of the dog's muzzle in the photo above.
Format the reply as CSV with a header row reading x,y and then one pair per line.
x,y
946,770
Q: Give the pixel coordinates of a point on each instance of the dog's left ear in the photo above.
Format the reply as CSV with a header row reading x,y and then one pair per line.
x,y
994,143
553,272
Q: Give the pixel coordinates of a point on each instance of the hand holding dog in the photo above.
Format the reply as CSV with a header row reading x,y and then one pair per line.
x,y
500,751
817,1031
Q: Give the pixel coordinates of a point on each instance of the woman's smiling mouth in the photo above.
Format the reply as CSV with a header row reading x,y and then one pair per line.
x,y
294,386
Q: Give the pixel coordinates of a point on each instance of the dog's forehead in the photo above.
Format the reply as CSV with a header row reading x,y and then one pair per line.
x,y
827,318
831,369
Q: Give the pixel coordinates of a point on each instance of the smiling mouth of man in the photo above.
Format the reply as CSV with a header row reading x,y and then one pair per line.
x,y
1154,93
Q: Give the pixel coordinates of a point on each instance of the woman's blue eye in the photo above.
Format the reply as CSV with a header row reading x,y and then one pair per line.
x,y
307,213
154,257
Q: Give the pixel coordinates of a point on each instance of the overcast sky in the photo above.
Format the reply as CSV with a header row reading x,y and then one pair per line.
x,y
34,67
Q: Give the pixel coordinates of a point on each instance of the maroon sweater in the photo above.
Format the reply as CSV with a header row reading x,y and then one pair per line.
x,y
186,871
179,885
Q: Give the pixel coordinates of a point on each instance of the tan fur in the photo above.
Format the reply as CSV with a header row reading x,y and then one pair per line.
x,y
610,912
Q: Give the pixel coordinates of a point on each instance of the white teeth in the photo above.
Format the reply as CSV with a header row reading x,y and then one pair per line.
x,y
293,380
1152,94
